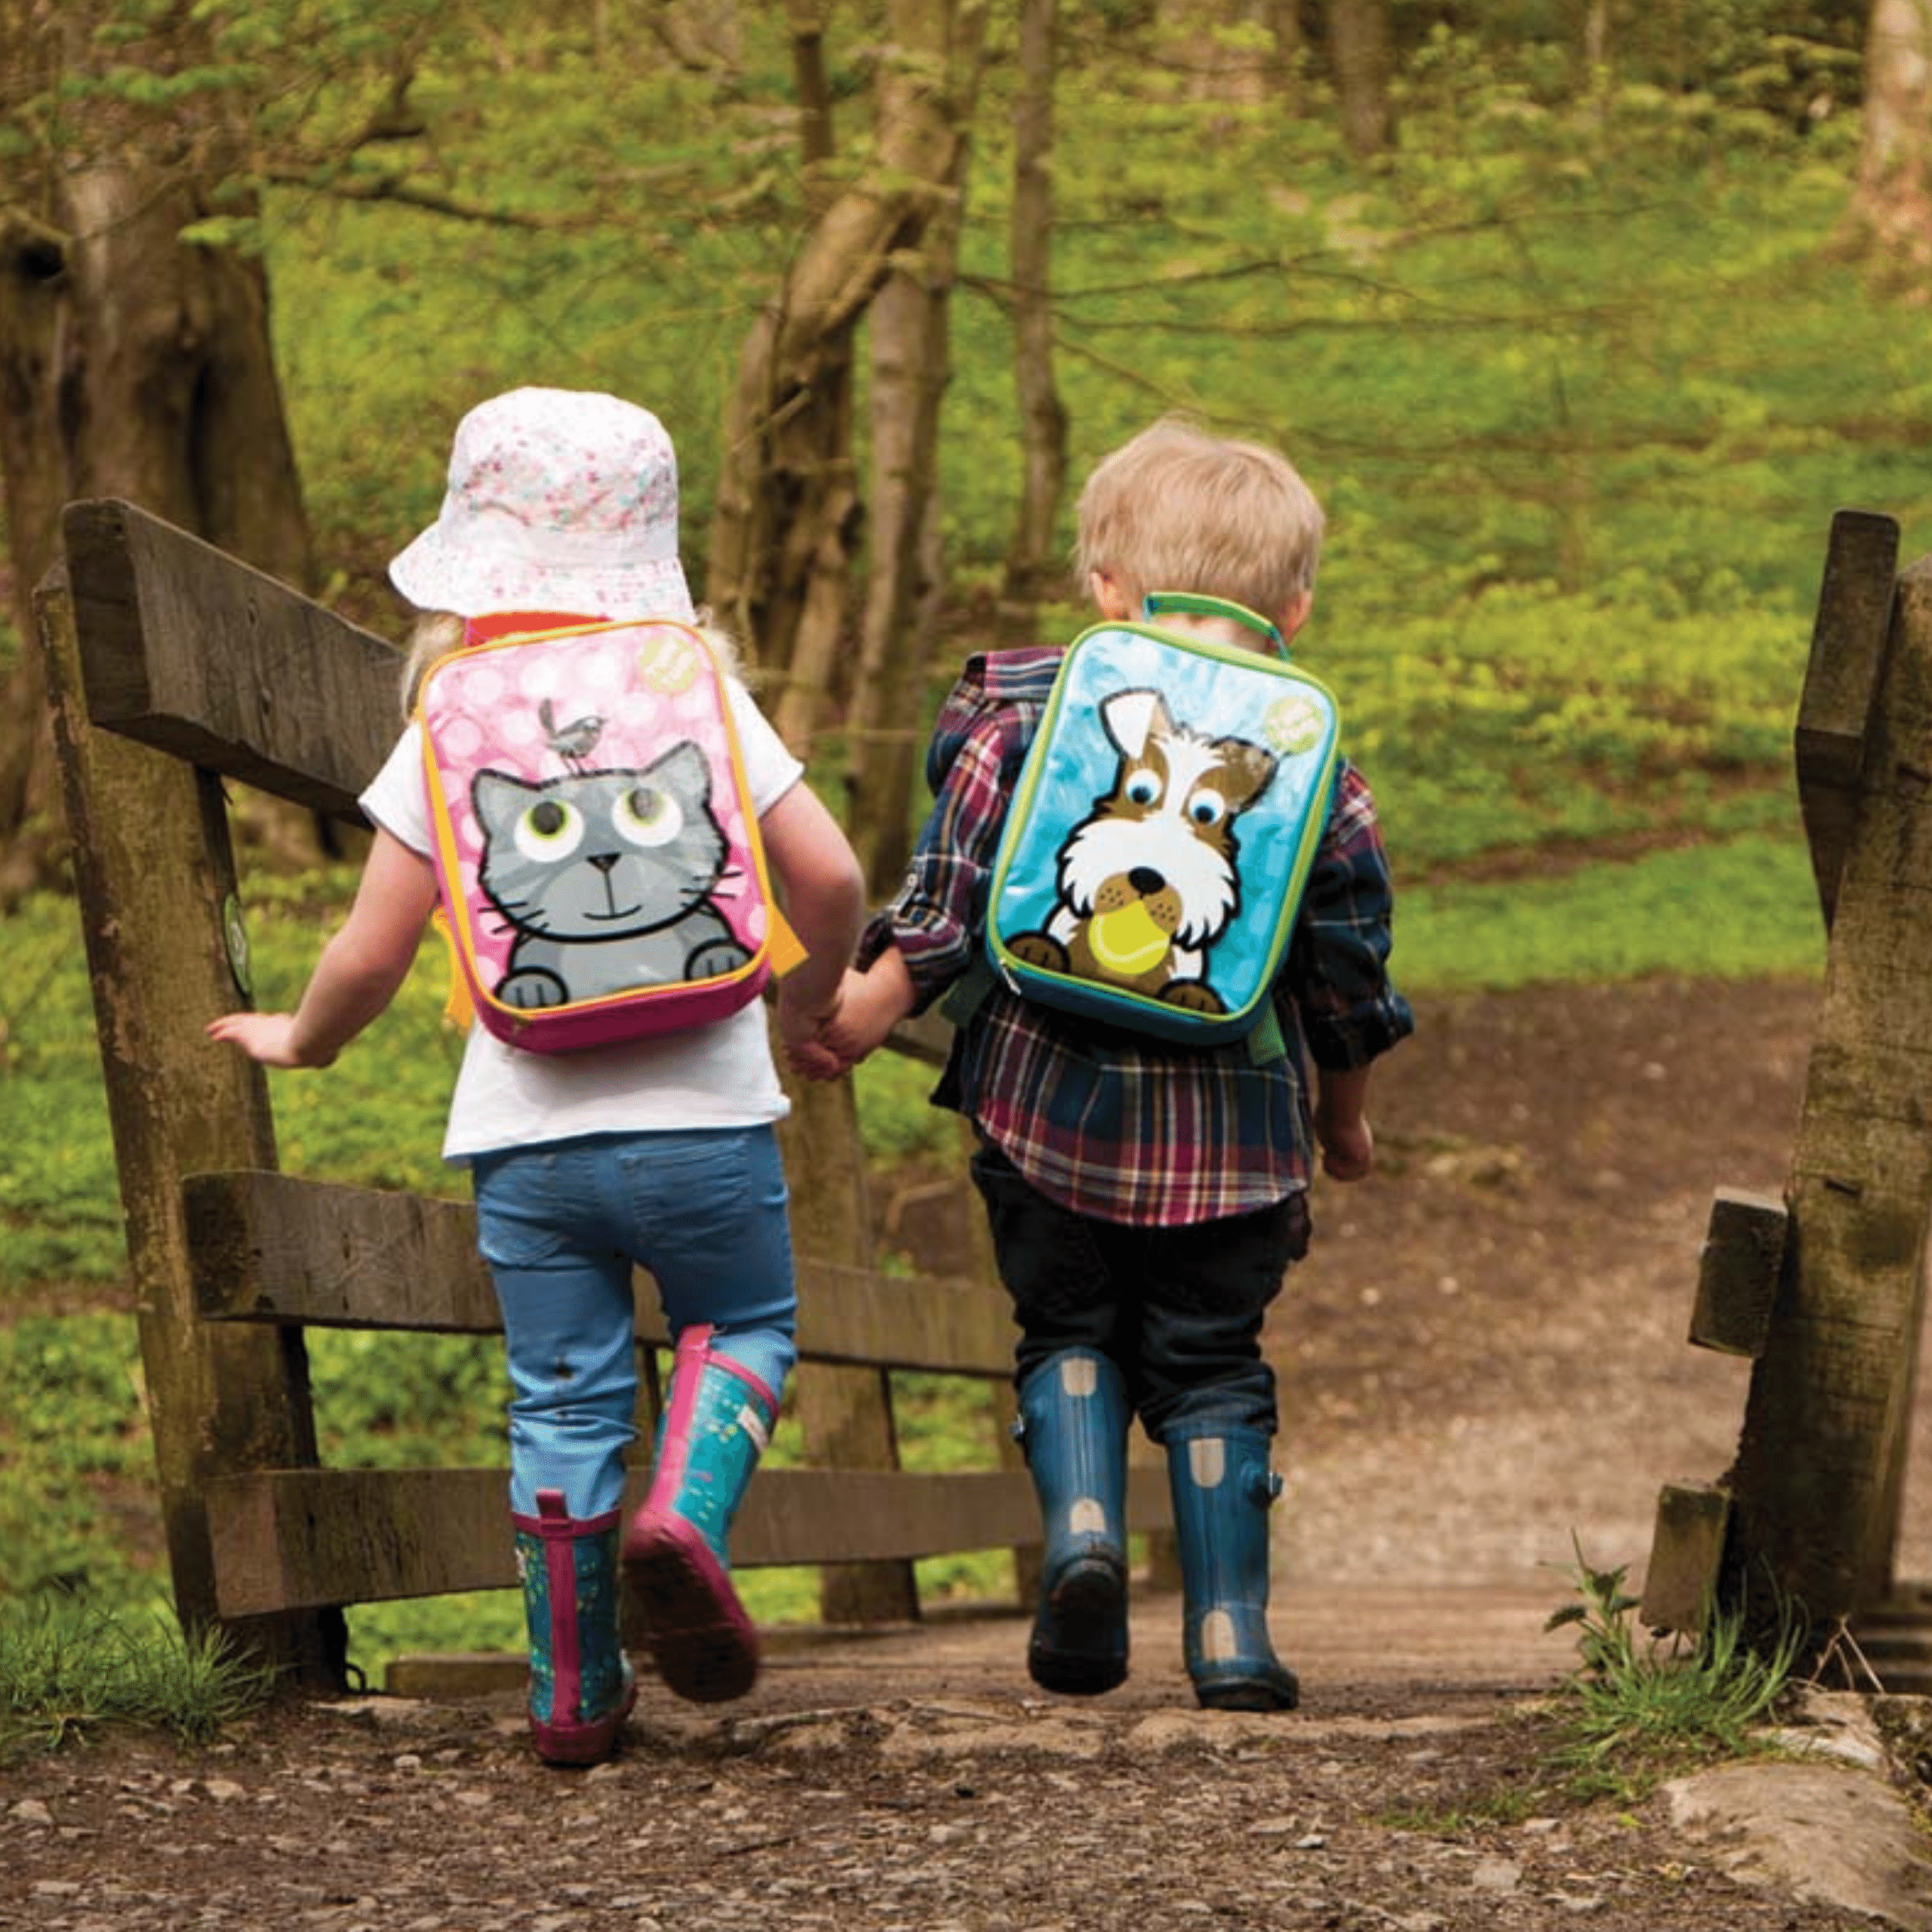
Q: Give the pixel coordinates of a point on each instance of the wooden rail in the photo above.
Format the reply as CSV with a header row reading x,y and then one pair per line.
x,y
172,667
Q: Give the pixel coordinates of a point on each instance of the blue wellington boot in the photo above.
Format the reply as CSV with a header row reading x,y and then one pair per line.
x,y
1073,1422
1221,1487
716,1424
581,1689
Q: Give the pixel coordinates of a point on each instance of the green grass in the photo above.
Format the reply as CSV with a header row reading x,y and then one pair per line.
x,y
1636,1710
77,1510
1743,908
70,1668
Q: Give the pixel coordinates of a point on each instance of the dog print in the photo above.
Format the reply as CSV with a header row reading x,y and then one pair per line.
x,y
1148,882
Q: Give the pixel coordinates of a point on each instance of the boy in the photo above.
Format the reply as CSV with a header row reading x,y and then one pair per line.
x,y
1146,1199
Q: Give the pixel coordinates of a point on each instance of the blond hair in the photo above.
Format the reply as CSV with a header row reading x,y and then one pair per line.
x,y
1178,508
436,635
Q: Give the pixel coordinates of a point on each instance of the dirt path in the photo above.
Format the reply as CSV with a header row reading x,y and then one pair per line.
x,y
1483,1358
1486,1350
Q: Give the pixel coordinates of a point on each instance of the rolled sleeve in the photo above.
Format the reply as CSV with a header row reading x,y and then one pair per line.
x,y
1350,1012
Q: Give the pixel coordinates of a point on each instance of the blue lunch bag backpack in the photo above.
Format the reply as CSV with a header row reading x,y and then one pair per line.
x,y
1151,867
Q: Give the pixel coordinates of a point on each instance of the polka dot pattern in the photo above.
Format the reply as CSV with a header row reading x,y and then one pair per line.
x,y
484,709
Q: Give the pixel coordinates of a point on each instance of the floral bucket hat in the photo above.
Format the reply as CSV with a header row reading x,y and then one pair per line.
x,y
559,500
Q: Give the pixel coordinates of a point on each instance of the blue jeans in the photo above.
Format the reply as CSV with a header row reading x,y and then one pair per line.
x,y
1179,1309
560,1225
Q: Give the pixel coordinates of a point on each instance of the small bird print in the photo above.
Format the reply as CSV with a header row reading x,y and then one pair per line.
x,y
573,742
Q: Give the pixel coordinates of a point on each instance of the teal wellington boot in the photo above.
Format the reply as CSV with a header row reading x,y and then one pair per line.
x,y
1222,1488
716,1424
581,1689
1073,1423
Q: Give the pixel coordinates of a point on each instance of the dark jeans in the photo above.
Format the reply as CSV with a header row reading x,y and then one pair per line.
x,y
1179,1309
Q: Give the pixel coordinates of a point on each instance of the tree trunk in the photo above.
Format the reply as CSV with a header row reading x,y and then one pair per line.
x,y
785,528
1596,35
131,365
1029,558
1360,46
911,366
1891,206
816,141
1283,23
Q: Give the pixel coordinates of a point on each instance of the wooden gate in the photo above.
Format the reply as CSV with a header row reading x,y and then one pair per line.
x,y
172,667
1823,1289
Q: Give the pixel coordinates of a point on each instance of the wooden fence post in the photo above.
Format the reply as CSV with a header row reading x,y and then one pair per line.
x,y
154,876
845,1414
1816,1489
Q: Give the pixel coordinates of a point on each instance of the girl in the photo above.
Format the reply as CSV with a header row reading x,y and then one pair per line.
x,y
562,507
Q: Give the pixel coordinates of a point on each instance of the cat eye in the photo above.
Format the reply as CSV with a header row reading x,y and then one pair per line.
x,y
549,830
647,817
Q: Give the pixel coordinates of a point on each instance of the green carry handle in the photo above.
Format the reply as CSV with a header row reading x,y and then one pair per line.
x,y
1197,603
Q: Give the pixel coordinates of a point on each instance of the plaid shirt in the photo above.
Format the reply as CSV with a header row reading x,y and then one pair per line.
x,y
1107,1123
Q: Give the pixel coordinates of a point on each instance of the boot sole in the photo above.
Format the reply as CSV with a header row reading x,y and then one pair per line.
x,y
1250,1693
1078,1646
704,1645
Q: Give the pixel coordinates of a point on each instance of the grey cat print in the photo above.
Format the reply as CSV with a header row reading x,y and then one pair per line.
x,y
596,838
606,876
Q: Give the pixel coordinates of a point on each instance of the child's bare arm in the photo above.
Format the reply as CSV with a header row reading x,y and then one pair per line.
x,y
1341,1124
825,900
358,972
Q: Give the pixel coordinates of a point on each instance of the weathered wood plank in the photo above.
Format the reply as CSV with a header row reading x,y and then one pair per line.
x,y
1686,1557
1738,1273
272,1247
926,1036
1848,643
306,1538
190,650
269,1247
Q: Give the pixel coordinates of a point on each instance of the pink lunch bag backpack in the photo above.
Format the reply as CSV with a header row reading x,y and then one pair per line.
x,y
596,846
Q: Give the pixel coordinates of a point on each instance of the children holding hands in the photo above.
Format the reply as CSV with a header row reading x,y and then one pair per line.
x,y
1145,1197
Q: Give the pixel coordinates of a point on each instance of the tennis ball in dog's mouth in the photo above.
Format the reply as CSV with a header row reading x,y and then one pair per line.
x,y
1126,940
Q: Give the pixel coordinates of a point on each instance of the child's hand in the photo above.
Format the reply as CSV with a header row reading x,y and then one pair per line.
x,y
268,1038
867,1010
801,1029
1348,1147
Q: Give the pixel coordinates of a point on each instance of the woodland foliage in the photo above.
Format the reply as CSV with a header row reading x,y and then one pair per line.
x,y
1579,366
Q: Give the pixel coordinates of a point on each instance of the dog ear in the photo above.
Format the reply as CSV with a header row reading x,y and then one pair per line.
x,y
1251,769
1131,718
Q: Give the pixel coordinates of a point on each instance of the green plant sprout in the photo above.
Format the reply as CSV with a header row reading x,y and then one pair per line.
x,y
1640,1707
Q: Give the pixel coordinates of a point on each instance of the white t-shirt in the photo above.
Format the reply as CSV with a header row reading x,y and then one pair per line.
x,y
720,1075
